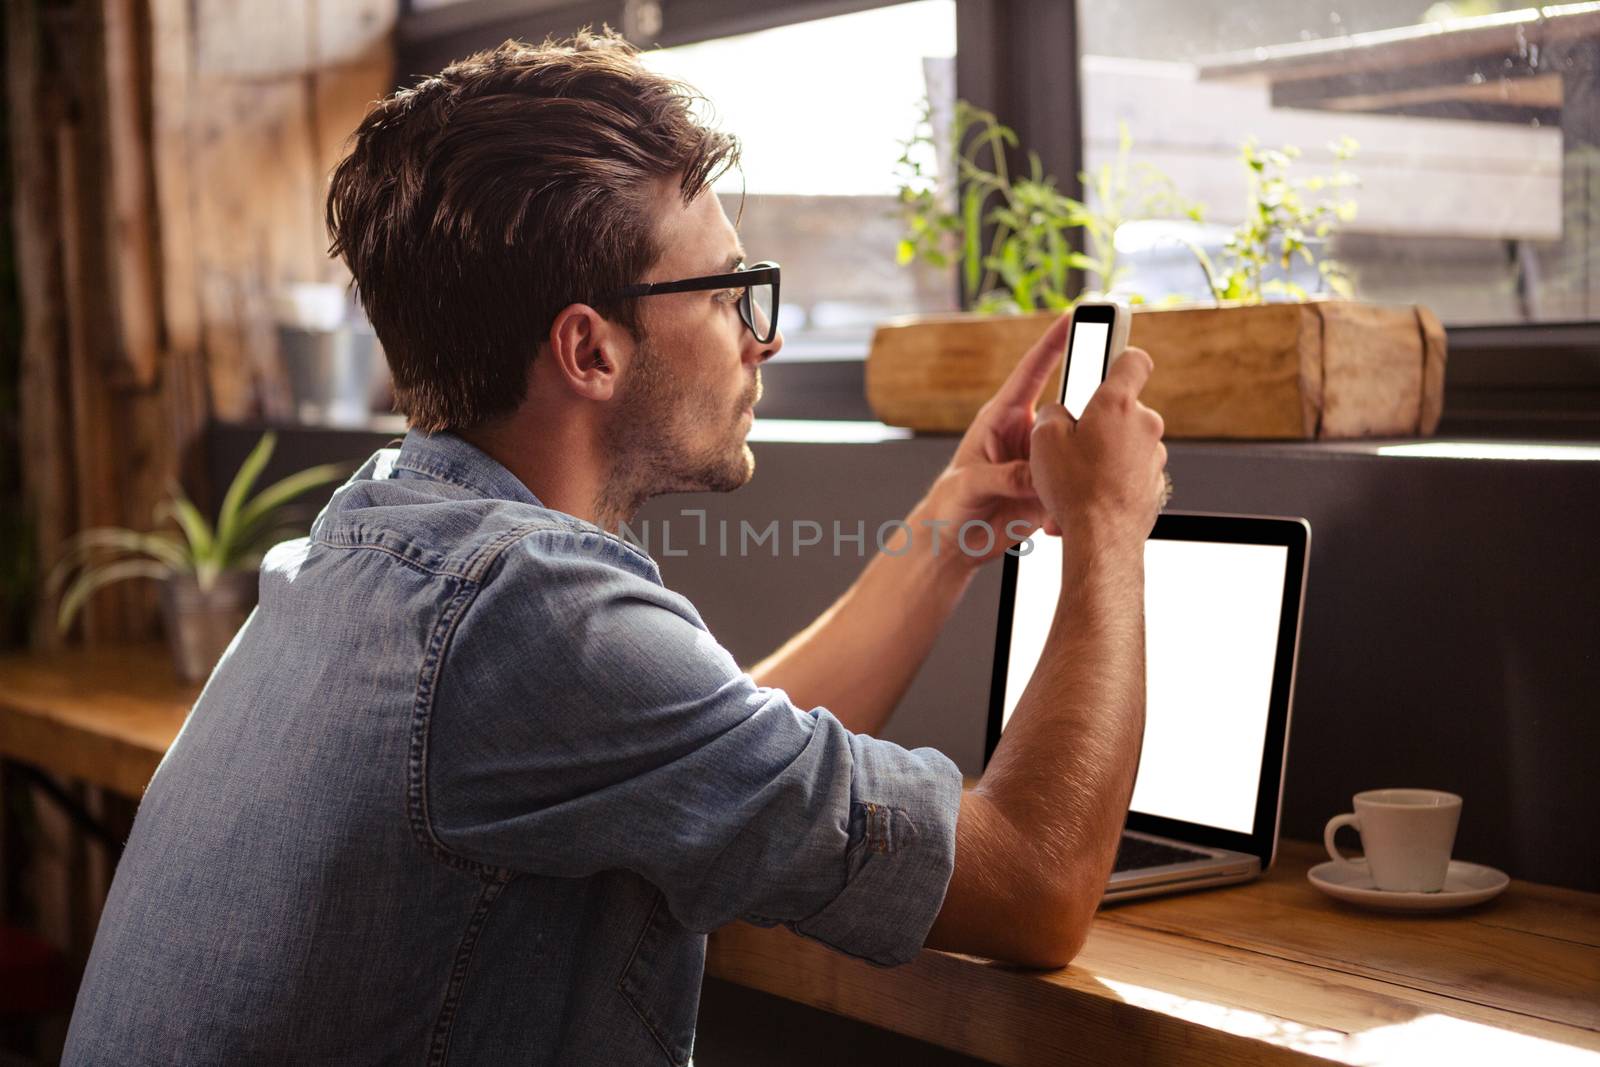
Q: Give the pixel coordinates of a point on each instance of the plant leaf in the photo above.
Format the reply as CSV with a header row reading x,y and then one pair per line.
x,y
261,509
1022,289
95,578
239,490
194,526
1285,287
1058,263
78,548
971,202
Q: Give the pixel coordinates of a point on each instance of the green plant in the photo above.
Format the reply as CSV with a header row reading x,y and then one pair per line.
x,y
1029,261
246,526
1123,191
1284,216
1030,257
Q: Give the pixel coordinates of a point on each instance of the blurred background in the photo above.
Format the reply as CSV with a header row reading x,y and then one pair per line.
x,y
165,292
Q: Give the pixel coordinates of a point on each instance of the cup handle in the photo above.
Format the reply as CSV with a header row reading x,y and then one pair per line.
x,y
1347,819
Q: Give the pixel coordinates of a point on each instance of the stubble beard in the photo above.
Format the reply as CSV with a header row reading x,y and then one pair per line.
x,y
649,438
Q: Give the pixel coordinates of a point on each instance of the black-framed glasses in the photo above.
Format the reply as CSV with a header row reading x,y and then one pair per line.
x,y
758,305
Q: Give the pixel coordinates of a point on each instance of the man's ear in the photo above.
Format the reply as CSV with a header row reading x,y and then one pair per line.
x,y
588,352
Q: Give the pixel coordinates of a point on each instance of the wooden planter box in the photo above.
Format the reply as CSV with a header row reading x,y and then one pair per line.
x,y
1270,371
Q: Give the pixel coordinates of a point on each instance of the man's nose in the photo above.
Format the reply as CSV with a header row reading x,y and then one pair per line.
x,y
764,350
770,349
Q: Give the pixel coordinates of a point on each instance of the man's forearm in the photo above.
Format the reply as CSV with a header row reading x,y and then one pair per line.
x,y
859,657
1063,771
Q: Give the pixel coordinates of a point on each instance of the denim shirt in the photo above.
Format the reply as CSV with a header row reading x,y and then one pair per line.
x,y
471,786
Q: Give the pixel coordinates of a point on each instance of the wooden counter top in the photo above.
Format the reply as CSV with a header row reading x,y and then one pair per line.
x,y
105,716
1265,973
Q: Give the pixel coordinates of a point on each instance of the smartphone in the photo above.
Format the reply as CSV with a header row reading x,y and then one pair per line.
x,y
1099,334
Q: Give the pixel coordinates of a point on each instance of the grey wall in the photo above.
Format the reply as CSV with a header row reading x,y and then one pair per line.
x,y
755,602
1449,636
1450,626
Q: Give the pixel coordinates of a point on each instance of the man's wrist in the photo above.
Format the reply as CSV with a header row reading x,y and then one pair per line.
x,y
1104,530
934,541
1090,575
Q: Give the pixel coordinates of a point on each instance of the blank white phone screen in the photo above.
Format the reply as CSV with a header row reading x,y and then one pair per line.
x,y
1087,366
1211,639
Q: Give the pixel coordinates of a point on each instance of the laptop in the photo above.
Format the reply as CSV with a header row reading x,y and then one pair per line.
x,y
1223,596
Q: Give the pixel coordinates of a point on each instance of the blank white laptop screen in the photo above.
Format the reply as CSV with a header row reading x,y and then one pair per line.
x,y
1211,613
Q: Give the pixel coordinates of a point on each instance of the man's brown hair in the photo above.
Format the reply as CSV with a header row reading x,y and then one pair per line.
x,y
478,204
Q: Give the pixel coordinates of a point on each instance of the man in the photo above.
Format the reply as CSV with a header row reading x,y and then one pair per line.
x,y
471,785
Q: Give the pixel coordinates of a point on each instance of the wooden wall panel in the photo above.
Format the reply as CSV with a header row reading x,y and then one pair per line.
x,y
171,157
130,203
47,470
170,74
200,136
272,95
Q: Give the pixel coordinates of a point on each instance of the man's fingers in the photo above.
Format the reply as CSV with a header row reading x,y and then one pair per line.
x,y
1014,479
1048,414
986,482
1029,375
1131,370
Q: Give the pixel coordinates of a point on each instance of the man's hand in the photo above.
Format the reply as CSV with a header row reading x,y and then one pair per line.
x,y
1100,477
989,478
1064,769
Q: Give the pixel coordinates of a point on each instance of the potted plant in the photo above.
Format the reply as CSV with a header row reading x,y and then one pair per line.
x,y
1260,356
207,572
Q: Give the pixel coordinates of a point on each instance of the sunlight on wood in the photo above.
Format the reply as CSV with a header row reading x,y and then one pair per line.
x,y
1428,1038
1270,1028
1442,1039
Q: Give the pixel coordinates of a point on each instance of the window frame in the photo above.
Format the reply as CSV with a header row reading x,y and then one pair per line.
x,y
427,40
1513,380
1523,380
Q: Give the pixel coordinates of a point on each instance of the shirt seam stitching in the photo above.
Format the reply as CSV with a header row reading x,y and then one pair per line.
x,y
418,809
440,474
444,1025
644,931
401,557
417,812
587,528
477,564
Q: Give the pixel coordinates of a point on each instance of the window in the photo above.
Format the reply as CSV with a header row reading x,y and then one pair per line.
x,y
820,108
821,93
1479,158
1478,132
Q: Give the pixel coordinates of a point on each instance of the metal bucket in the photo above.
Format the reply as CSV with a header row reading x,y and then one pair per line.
x,y
330,372
200,624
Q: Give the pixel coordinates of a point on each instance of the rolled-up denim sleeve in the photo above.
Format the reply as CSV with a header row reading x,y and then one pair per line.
x,y
900,855
585,720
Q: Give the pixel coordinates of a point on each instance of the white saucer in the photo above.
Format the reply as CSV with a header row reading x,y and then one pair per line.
x,y
1465,884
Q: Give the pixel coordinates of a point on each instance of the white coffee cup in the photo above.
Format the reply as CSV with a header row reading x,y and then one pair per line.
x,y
1407,835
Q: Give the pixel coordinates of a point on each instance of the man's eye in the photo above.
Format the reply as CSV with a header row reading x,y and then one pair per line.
x,y
730,296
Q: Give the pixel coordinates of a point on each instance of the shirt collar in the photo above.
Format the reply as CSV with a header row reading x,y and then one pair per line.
x,y
447,458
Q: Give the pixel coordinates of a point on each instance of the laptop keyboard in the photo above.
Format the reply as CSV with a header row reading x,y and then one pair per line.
x,y
1135,853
